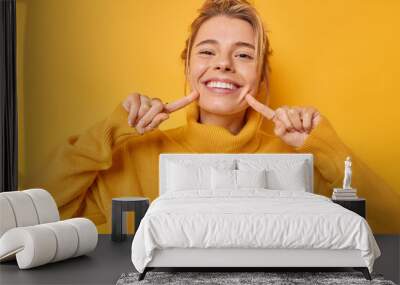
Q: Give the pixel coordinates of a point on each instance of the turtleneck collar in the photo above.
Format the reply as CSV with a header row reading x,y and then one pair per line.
x,y
204,138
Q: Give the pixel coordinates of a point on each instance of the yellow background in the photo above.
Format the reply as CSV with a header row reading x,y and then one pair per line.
x,y
78,59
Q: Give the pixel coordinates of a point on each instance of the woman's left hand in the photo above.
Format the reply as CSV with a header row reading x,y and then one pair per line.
x,y
292,124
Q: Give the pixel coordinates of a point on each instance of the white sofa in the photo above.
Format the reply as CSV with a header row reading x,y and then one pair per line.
x,y
31,231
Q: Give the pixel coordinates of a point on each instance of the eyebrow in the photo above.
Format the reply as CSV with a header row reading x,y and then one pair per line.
x,y
210,41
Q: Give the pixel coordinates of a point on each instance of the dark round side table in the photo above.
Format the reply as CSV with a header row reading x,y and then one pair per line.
x,y
120,206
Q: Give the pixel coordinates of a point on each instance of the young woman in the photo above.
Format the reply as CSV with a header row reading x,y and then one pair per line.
x,y
226,66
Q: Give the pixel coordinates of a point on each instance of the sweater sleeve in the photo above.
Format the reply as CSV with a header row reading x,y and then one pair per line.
x,y
382,201
70,170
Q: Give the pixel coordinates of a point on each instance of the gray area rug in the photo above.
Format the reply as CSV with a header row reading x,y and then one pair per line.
x,y
229,278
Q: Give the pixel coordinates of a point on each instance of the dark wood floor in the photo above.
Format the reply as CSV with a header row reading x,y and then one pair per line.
x,y
106,264
389,262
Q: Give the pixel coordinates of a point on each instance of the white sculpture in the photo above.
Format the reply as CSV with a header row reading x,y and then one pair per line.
x,y
347,174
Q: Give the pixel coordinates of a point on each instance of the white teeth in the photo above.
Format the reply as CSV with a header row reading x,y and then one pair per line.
x,y
219,84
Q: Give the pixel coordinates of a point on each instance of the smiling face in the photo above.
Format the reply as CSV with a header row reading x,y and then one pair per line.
x,y
223,64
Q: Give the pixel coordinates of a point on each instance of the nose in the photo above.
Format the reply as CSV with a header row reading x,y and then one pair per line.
x,y
223,63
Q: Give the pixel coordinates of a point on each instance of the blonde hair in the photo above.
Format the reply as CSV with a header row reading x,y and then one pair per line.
x,y
240,9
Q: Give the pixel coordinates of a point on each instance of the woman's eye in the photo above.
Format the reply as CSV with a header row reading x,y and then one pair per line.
x,y
207,52
244,55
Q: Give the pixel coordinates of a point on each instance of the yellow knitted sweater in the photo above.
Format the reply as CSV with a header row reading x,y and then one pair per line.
x,y
111,159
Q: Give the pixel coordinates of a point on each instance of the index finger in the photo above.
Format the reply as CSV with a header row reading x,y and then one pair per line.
x,y
261,108
182,102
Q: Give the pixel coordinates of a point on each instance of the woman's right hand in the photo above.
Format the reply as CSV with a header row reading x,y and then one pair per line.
x,y
146,113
